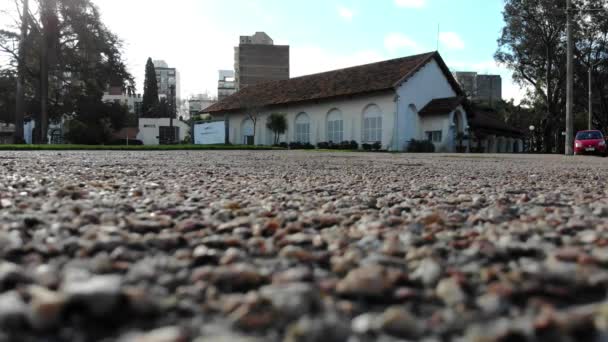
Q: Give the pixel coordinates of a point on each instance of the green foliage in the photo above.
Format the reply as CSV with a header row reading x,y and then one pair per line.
x,y
7,95
79,132
420,146
150,101
298,146
84,59
277,124
533,46
345,145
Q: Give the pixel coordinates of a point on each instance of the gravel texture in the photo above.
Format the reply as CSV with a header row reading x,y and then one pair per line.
x,y
302,247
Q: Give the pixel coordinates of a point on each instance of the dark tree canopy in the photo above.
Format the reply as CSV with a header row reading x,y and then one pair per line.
x,y
277,124
84,58
533,46
150,101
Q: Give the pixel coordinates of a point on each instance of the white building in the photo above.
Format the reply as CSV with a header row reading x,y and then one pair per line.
x,y
226,84
157,131
391,102
117,95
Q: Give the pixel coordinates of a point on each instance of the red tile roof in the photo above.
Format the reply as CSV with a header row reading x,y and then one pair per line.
x,y
442,106
357,80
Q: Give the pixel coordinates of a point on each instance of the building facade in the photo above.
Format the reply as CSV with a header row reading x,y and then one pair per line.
x,y
258,60
391,103
132,101
226,84
157,131
480,88
166,78
199,102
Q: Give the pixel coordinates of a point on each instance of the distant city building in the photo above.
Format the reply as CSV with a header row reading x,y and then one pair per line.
x,y
226,84
482,88
165,78
489,88
118,95
199,102
258,60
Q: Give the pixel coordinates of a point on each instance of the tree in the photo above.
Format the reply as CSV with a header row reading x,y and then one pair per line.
x,y
278,125
67,40
533,46
150,101
20,91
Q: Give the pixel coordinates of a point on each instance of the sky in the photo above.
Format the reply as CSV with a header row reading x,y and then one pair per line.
x,y
198,36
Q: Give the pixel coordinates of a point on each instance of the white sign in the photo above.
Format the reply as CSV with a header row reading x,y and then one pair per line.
x,y
211,133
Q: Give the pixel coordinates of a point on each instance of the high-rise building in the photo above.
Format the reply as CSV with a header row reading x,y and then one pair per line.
x,y
226,85
165,78
482,88
258,60
197,103
489,88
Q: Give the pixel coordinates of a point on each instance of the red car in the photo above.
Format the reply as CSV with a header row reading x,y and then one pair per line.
x,y
590,142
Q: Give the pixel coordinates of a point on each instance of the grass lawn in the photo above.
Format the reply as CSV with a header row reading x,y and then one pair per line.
x,y
132,148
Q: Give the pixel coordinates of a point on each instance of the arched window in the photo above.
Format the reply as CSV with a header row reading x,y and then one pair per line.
x,y
247,132
302,130
372,124
335,126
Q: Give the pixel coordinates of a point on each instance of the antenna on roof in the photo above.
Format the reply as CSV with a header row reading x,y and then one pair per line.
x,y
438,34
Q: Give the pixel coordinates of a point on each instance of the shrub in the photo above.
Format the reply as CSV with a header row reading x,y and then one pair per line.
x,y
323,145
300,146
88,133
366,147
420,146
121,142
377,146
354,145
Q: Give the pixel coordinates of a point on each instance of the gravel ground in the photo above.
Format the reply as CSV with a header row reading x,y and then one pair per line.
x,y
310,247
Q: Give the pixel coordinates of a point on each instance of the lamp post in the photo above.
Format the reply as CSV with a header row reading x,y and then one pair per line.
x,y
591,66
570,82
531,140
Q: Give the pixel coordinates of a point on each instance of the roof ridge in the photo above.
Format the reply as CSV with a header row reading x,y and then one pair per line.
x,y
363,65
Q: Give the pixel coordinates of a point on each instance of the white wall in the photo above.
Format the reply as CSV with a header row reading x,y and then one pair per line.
x,y
352,115
149,129
128,100
437,123
427,84
400,123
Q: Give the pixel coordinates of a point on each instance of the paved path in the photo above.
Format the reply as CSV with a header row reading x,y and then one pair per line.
x,y
301,246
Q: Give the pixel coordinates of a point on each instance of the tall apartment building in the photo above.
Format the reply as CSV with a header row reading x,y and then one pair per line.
x,y
483,88
165,78
489,88
226,84
258,60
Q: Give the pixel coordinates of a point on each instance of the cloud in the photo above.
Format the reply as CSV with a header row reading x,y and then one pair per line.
x,y
306,60
394,42
410,3
451,40
346,13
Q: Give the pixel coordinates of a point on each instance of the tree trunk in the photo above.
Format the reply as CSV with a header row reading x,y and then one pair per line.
x,y
20,91
47,59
